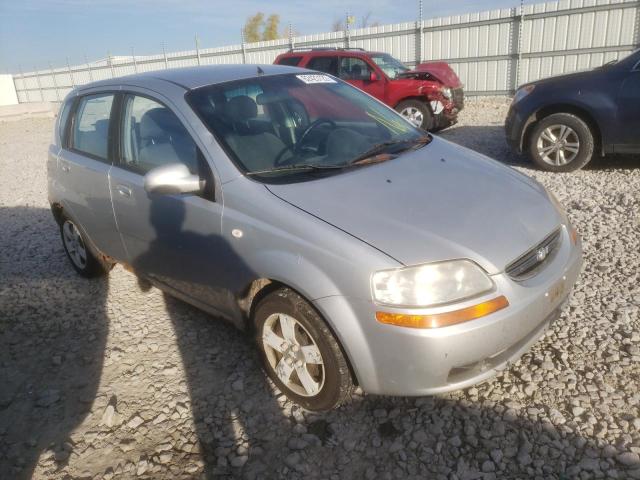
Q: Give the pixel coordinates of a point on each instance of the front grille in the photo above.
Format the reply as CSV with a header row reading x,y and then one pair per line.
x,y
528,264
458,98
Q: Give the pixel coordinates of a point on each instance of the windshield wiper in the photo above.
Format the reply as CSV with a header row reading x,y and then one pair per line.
x,y
379,148
295,168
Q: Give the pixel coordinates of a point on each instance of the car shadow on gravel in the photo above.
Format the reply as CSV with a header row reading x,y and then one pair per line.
x,y
490,140
51,351
223,382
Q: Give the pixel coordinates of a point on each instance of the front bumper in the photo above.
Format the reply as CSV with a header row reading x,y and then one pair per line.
x,y
393,360
514,127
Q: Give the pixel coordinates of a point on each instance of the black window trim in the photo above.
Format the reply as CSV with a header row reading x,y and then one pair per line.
x,y
71,122
209,192
64,130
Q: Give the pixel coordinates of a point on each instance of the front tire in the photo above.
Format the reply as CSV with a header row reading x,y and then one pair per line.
x,y
561,142
418,113
82,257
300,353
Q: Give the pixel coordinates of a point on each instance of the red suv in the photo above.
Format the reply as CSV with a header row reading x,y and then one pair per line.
x,y
430,96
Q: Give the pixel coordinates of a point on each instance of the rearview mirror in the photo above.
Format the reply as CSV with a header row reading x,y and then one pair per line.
x,y
172,179
373,77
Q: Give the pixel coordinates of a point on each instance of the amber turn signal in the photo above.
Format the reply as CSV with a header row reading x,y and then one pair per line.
x,y
437,320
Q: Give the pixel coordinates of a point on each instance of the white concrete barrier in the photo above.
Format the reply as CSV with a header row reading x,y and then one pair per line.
x,y
8,94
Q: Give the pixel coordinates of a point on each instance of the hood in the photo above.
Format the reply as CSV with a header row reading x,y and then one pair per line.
x,y
437,203
569,77
442,71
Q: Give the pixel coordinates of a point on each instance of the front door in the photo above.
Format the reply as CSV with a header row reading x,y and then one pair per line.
x,y
173,239
629,113
358,73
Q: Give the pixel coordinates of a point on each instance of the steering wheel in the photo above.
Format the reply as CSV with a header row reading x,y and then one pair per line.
x,y
312,126
279,161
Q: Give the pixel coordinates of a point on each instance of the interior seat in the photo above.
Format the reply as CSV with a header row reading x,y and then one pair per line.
x,y
163,140
258,150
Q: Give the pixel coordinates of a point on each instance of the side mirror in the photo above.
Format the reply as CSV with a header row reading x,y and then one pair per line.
x,y
172,179
373,77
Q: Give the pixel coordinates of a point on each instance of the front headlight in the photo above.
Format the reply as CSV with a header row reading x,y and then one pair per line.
x,y
523,92
430,284
446,93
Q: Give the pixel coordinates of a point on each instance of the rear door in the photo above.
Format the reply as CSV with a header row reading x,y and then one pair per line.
x,y
174,239
84,164
357,72
628,113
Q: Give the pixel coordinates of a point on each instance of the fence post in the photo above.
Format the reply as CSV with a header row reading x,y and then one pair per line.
x,y
419,34
38,82
164,53
347,33
135,64
73,83
110,63
198,48
515,48
24,85
291,43
636,31
244,47
88,68
55,83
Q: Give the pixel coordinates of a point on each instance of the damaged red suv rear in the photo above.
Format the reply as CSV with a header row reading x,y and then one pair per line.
x,y
430,96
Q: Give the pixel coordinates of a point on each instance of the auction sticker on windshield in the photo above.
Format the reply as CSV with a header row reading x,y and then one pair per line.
x,y
311,78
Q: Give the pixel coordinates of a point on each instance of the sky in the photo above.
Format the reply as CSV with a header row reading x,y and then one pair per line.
x,y
36,33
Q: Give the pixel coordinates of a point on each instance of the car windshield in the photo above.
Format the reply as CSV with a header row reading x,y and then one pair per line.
x,y
391,66
282,125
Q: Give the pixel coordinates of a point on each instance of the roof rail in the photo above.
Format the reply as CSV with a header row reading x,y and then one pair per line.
x,y
315,49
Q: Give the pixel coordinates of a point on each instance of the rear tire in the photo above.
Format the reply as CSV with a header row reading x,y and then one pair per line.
x,y
300,353
417,112
83,258
561,142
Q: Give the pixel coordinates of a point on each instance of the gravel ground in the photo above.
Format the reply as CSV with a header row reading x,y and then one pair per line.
x,y
109,379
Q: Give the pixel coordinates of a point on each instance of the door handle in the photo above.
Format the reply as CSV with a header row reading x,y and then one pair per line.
x,y
64,166
123,190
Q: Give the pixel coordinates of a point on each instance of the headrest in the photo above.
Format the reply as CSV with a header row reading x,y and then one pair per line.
x,y
159,122
241,108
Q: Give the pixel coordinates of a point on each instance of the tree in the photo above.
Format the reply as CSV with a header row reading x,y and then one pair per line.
x,y
252,28
256,28
271,28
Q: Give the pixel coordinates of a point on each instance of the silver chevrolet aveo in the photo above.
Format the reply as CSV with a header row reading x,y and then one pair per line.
x,y
357,249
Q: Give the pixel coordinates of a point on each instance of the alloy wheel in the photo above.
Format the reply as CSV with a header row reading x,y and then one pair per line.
x,y
413,115
558,145
293,355
74,244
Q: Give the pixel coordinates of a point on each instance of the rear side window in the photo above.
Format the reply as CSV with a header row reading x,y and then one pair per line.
x,y
291,61
91,125
62,122
152,136
324,64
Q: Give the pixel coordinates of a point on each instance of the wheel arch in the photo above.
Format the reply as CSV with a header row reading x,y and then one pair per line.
x,y
261,288
580,112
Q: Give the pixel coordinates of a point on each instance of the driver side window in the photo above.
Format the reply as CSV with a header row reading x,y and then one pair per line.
x,y
152,136
352,68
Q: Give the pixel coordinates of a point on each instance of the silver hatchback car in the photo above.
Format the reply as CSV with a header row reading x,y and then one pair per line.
x,y
357,249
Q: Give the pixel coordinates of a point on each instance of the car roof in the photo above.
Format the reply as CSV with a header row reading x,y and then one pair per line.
x,y
194,77
330,52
